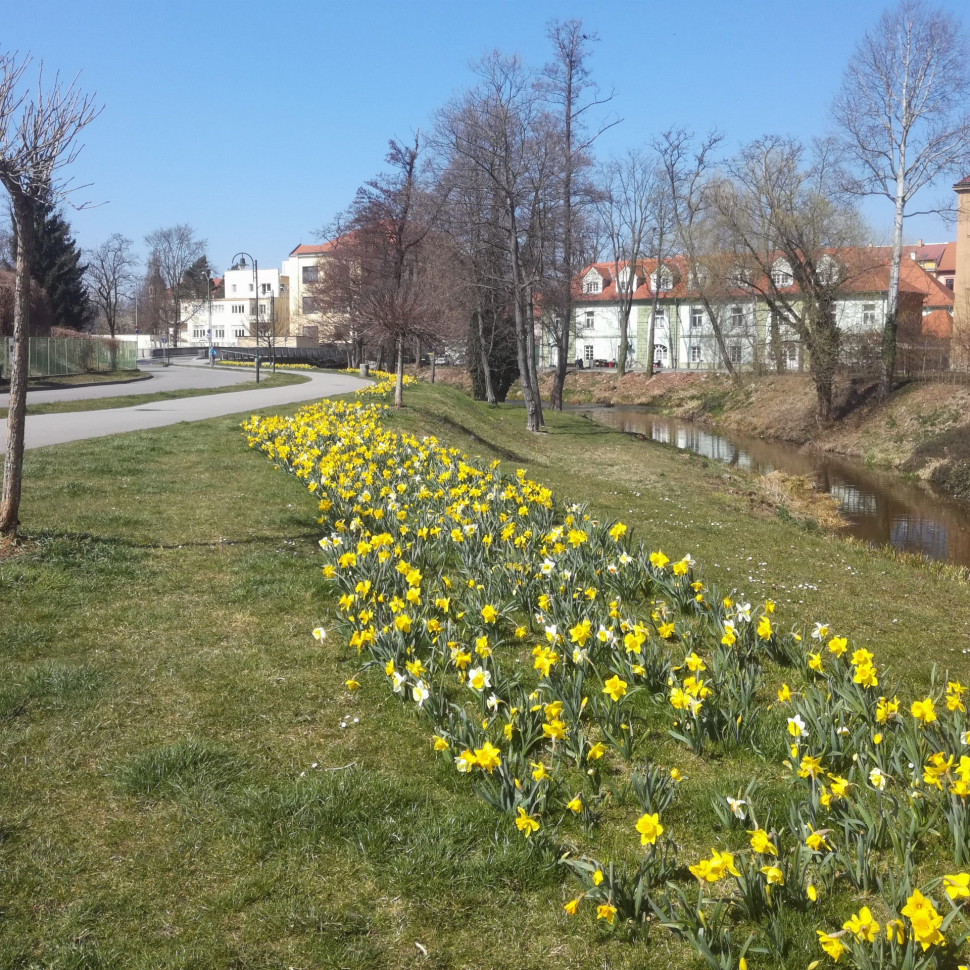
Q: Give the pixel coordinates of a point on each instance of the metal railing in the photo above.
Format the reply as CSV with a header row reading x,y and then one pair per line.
x,y
54,357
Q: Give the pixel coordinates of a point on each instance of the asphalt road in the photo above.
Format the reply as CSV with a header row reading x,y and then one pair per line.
x,y
178,377
55,429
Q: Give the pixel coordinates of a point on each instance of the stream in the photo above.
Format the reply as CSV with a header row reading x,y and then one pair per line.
x,y
879,507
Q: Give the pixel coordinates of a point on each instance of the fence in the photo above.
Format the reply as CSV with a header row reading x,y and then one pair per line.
x,y
54,357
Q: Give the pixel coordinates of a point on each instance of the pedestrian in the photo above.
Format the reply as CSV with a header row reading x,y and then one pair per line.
x,y
212,356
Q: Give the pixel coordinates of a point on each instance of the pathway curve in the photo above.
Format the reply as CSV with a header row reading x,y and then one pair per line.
x,y
55,429
178,377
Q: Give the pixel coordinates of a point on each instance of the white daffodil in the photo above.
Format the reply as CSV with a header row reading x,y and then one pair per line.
x,y
420,692
877,779
737,807
479,678
743,612
821,631
320,634
547,567
399,681
796,726
492,703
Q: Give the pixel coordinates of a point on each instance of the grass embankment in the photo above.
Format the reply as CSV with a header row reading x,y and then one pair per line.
x,y
133,400
184,778
923,430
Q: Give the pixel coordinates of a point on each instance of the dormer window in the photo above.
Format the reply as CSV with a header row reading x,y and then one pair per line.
x,y
740,277
781,274
666,280
624,280
591,286
828,270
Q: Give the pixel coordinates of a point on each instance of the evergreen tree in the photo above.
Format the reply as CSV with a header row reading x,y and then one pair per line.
x,y
56,266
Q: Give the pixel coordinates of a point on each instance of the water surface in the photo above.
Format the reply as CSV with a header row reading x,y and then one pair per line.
x,y
878,506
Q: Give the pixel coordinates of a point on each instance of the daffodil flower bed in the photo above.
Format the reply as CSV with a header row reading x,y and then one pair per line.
x,y
543,646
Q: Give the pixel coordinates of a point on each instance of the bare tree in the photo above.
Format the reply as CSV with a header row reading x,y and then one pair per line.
x,y
499,131
110,273
375,275
566,82
660,209
904,120
794,242
173,251
688,169
38,139
624,211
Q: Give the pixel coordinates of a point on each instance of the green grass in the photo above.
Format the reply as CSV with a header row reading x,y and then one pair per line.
x,y
177,788
133,400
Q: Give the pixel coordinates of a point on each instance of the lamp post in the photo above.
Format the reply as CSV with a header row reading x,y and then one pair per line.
x,y
208,308
255,304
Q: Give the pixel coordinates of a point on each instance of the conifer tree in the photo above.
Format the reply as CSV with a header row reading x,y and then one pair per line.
x,y
56,266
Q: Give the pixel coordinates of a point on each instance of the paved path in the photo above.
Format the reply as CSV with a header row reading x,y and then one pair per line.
x,y
175,378
55,429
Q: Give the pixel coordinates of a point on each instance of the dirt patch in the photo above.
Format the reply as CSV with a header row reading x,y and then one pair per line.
x,y
10,548
801,497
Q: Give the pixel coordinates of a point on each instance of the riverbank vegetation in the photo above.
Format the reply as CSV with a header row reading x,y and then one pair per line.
x,y
922,430
186,776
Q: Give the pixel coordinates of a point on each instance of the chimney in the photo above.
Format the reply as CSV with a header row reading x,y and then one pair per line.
x,y
919,243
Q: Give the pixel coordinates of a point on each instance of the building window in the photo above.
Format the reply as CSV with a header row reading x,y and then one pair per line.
x,y
588,355
660,318
309,274
239,308
734,352
220,334
696,317
264,288
781,277
309,304
737,317
948,282
592,286
262,309
233,287
869,315
239,332
217,307
695,354
589,323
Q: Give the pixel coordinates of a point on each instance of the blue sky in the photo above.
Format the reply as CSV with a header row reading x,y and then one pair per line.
x,y
255,123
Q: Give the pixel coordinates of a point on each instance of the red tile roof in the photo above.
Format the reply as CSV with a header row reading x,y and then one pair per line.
x,y
948,260
963,183
310,249
939,323
868,273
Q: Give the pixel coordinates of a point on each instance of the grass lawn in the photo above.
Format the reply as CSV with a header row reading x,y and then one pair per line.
x,y
133,400
184,780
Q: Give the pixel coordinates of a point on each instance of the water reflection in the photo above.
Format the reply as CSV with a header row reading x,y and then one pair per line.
x,y
878,507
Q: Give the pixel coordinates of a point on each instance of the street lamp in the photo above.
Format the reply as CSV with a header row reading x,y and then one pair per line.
x,y
208,306
255,303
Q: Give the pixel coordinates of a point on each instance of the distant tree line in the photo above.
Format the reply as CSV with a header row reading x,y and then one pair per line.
x,y
476,231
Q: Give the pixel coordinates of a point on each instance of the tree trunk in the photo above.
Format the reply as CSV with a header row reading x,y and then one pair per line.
x,y
530,344
887,369
652,333
399,376
776,348
486,367
562,365
623,314
434,356
721,345
16,416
